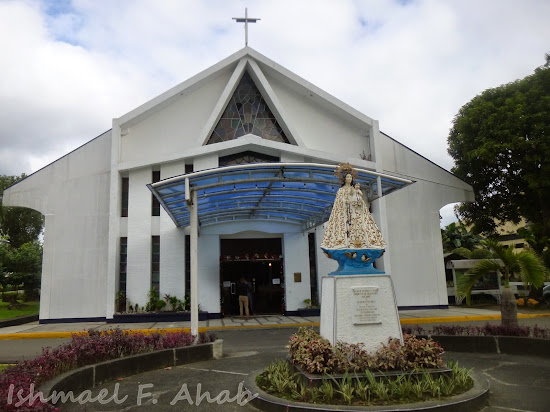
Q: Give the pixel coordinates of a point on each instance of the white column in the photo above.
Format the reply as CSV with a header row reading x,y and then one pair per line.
x,y
380,214
194,228
172,245
209,265
113,253
138,282
48,259
296,253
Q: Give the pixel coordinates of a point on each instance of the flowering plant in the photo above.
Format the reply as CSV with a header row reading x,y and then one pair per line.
x,y
85,348
532,303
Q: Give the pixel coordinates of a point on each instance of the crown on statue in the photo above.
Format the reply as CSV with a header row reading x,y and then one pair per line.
x,y
345,169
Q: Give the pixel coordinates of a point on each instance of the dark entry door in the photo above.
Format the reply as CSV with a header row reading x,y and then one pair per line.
x,y
259,262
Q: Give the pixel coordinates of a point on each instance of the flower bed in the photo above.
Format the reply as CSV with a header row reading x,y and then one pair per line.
x,y
398,372
314,354
486,330
84,349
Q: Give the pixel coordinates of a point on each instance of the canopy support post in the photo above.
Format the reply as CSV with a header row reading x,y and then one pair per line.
x,y
194,228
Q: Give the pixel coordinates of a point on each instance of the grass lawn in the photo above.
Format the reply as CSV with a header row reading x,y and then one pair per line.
x,y
3,366
30,308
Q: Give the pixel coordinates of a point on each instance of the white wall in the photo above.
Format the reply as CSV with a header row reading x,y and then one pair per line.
x,y
296,259
177,126
73,194
209,272
172,245
397,158
415,252
138,271
415,242
320,128
208,161
324,264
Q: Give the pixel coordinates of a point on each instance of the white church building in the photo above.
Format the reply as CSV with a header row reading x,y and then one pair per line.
x,y
230,174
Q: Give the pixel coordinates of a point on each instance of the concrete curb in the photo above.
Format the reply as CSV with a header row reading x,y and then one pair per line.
x,y
88,377
473,399
68,334
57,335
405,321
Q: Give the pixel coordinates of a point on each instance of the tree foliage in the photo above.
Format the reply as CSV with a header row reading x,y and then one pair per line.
x,y
456,235
19,224
21,268
500,142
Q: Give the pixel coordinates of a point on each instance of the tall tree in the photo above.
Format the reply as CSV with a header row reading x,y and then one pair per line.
x,y
19,224
500,142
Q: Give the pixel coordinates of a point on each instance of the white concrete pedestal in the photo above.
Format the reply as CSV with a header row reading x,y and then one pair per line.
x,y
359,309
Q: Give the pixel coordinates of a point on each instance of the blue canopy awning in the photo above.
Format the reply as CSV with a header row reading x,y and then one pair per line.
x,y
297,193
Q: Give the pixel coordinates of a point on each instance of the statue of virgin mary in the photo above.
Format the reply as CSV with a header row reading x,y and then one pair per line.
x,y
352,237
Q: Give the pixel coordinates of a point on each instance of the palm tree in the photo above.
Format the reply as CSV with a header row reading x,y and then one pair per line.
x,y
505,262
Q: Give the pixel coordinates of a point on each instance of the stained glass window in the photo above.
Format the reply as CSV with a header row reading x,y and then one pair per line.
x,y
247,112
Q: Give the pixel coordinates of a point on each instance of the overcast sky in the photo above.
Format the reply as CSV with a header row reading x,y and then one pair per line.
x,y
69,67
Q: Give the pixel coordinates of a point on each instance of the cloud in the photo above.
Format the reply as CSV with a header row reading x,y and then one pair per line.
x,y
71,66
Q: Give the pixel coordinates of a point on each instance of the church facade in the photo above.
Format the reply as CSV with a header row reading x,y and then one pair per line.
x,y
116,221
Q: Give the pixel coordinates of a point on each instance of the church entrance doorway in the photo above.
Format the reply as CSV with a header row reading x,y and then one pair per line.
x,y
260,262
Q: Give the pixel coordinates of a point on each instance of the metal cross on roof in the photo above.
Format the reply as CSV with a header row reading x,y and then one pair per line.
x,y
245,20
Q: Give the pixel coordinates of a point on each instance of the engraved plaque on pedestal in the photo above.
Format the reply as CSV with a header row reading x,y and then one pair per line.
x,y
365,305
359,309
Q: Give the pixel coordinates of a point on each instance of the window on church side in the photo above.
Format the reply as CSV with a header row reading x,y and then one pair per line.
x,y
124,198
122,264
313,267
155,207
247,112
155,262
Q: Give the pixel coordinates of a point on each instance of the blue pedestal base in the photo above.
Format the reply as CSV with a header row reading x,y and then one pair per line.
x,y
354,261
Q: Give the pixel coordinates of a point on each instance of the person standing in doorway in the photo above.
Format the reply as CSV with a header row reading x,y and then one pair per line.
x,y
242,291
250,295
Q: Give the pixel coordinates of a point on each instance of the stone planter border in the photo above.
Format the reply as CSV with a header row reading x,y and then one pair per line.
x,y
20,320
473,399
88,377
511,345
305,312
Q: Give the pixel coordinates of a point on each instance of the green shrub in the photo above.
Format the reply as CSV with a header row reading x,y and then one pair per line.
x,y
462,251
364,389
160,304
481,254
153,302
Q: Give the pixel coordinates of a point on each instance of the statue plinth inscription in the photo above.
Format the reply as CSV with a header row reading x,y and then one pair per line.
x,y
365,305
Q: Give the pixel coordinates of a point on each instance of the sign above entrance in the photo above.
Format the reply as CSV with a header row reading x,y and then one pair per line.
x,y
296,193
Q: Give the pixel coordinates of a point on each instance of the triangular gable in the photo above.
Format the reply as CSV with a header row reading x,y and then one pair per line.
x,y
247,113
250,60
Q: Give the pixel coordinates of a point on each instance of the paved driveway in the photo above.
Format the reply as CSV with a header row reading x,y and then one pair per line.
x,y
518,383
